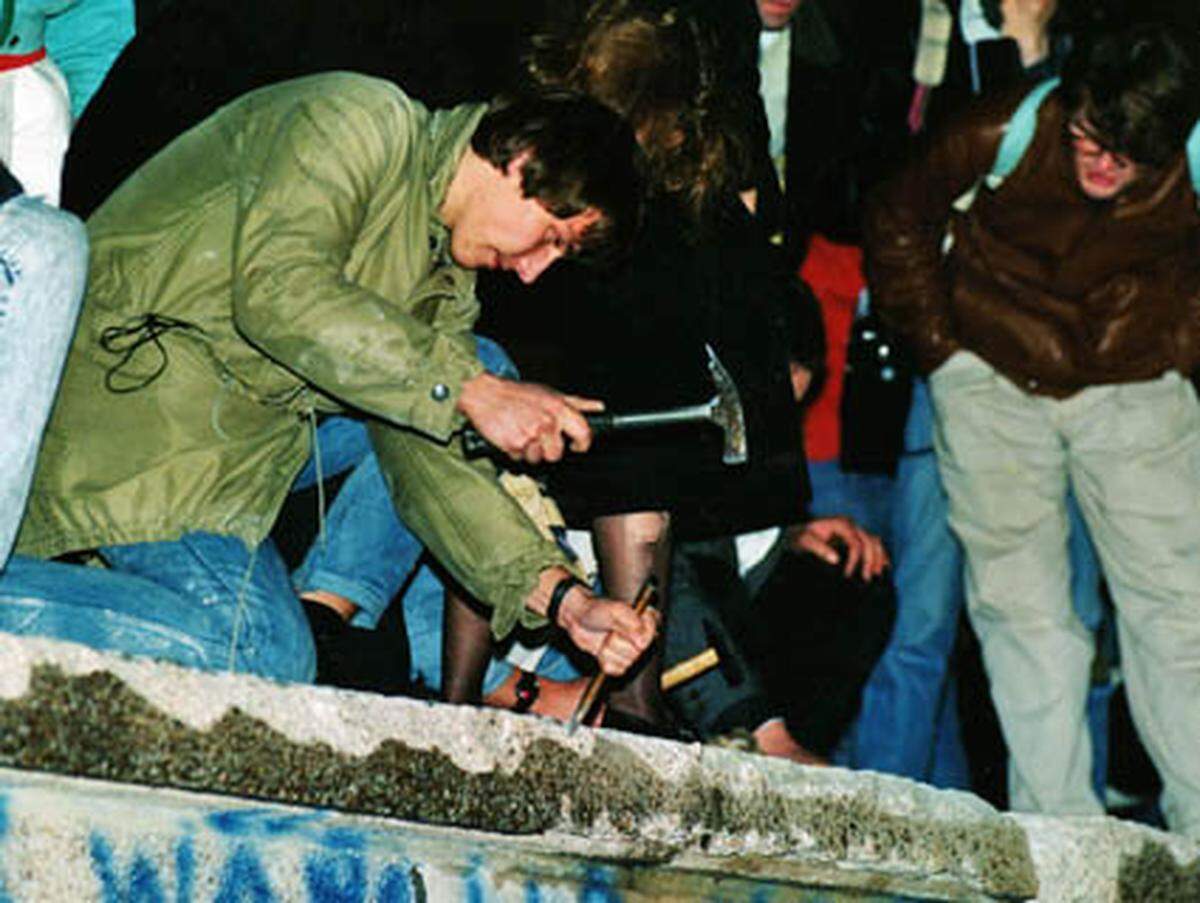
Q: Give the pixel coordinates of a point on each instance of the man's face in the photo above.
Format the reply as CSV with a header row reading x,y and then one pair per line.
x,y
777,13
502,230
1101,174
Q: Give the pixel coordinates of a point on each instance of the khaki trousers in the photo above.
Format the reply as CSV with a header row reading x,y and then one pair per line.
x,y
1132,454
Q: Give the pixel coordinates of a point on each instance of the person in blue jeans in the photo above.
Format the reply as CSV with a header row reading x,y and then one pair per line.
x,y
908,722
43,265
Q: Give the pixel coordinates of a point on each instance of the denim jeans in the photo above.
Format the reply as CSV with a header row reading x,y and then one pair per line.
x,y
908,723
43,267
204,600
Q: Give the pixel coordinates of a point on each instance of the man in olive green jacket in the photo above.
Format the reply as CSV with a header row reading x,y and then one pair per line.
x,y
308,250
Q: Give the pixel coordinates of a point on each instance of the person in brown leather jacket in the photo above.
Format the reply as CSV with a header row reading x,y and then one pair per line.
x,y
1058,331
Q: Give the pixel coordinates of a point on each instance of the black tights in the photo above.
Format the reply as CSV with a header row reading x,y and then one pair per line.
x,y
629,548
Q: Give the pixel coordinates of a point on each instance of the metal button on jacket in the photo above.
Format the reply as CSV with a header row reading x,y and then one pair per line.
x,y
439,392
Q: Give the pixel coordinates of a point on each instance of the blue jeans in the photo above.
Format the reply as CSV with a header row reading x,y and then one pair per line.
x,y
908,723
204,600
43,268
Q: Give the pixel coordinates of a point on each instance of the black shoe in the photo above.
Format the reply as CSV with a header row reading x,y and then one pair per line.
x,y
356,659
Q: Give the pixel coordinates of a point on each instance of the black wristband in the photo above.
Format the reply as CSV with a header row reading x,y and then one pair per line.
x,y
564,586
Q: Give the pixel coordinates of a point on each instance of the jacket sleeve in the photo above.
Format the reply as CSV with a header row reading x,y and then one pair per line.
x,y
470,524
298,222
84,41
905,227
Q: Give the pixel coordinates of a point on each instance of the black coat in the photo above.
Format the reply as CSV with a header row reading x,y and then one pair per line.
x,y
849,86
634,338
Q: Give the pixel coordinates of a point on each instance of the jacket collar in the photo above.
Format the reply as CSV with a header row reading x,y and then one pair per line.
x,y
450,133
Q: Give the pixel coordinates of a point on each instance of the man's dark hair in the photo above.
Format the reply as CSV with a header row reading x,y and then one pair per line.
x,y
1137,88
582,155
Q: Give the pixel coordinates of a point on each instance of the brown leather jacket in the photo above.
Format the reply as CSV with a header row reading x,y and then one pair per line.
x,y
1054,290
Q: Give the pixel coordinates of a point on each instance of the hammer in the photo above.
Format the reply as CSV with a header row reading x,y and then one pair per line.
x,y
724,409
713,655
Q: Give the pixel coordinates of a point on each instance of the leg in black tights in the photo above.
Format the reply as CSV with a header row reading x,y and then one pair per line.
x,y
466,648
629,548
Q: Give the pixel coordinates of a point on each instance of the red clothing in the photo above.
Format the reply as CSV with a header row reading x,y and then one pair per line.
x,y
834,273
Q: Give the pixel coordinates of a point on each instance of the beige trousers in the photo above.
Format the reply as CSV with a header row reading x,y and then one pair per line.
x,y
1132,454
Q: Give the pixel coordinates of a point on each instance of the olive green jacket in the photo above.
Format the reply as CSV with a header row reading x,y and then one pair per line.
x,y
282,258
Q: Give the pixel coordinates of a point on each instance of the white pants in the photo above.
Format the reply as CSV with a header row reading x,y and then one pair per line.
x,y
1132,454
35,125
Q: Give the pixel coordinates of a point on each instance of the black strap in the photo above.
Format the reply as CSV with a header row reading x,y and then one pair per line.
x,y
564,586
125,340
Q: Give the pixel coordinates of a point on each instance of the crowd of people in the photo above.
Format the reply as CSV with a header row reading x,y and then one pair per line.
x,y
948,253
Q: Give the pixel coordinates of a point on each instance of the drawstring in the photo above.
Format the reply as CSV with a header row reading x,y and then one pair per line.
x,y
241,609
127,339
316,444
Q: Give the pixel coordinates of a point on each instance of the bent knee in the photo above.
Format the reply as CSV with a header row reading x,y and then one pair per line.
x,y
641,528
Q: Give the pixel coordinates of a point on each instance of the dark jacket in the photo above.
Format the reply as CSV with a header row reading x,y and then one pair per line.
x,y
849,85
196,55
1054,290
635,338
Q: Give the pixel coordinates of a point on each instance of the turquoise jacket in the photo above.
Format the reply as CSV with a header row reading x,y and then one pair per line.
x,y
83,37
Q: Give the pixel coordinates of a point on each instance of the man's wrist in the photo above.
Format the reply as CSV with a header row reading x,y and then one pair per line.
x,y
573,596
469,389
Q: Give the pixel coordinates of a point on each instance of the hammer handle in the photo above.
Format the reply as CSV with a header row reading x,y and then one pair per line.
x,y
474,445
596,684
689,668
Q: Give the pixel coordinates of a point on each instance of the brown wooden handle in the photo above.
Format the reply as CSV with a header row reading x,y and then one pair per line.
x,y
689,668
596,684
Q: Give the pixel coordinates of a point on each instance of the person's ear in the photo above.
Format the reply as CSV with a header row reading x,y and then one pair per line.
x,y
516,166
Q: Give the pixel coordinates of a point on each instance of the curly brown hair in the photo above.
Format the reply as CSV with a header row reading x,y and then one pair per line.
x,y
652,62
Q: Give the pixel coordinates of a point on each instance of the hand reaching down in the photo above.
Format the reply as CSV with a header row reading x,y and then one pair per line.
x,y
608,629
839,540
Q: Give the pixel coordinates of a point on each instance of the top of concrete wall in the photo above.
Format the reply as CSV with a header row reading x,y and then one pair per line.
x,y
70,710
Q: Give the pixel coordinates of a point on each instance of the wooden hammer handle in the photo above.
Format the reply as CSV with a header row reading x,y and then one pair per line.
x,y
596,684
689,668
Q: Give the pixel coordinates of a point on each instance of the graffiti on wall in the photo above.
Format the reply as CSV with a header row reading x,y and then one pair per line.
x,y
263,856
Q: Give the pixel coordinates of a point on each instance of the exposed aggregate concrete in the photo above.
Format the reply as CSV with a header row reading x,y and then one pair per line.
x,y
81,715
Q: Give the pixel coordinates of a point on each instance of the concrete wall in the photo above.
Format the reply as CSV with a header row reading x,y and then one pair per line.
x,y
364,798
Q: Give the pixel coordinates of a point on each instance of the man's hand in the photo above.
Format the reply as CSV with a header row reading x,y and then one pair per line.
x,y
526,421
607,629
839,540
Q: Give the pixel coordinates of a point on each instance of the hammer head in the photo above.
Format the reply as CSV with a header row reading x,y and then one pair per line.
x,y
727,413
727,662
